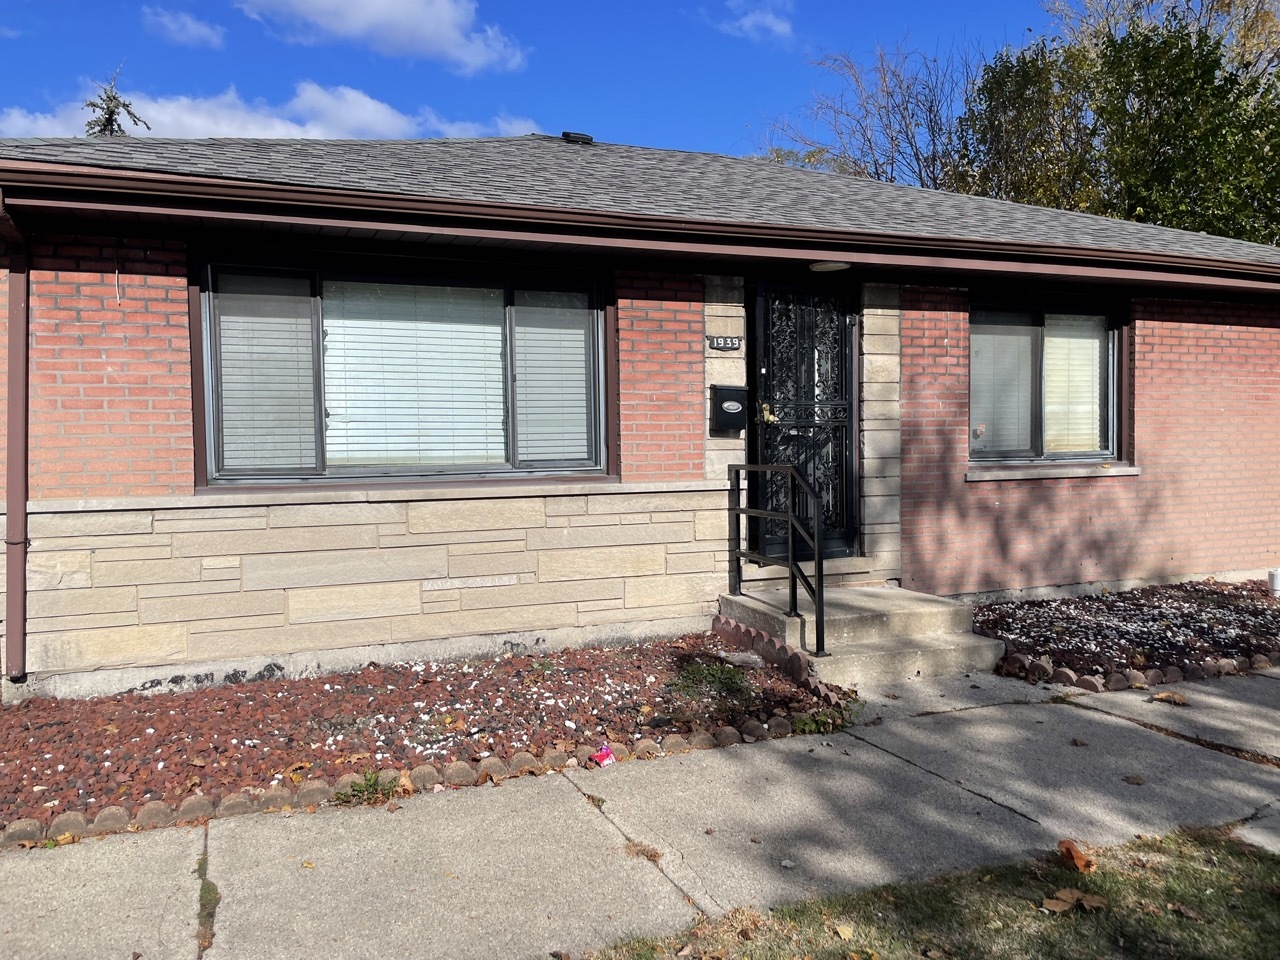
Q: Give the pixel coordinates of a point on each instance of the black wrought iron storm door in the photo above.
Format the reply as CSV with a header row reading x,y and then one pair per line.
x,y
805,405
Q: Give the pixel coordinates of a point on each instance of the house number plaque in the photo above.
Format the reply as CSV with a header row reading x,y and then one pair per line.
x,y
724,343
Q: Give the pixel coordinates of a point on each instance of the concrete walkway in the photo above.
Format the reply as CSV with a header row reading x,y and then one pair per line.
x,y
941,775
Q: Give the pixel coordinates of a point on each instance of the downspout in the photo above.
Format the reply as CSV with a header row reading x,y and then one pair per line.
x,y
15,534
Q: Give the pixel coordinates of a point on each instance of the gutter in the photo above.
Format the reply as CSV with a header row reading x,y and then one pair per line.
x,y
16,480
52,187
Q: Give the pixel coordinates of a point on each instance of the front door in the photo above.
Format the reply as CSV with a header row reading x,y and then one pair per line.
x,y
805,404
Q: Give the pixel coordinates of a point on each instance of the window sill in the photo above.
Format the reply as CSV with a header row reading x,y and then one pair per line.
x,y
300,494
1048,471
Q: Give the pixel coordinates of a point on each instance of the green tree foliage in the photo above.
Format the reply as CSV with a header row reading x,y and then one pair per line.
x,y
1153,125
108,108
1187,139
1163,111
1027,133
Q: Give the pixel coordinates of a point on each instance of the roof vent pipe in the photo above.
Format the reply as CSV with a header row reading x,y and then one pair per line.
x,y
570,137
1273,581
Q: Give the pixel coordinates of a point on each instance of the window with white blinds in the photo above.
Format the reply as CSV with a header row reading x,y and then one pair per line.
x,y
1039,386
413,375
553,377
1075,383
265,372
409,378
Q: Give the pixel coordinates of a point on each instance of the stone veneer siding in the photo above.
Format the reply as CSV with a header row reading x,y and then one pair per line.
x,y
1204,405
129,568
203,583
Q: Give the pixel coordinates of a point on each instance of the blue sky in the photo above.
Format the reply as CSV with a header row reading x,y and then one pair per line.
x,y
685,74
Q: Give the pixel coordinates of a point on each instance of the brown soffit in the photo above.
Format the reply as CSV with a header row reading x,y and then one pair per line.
x,y
147,193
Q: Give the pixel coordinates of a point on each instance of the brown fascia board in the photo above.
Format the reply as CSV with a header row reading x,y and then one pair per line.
x,y
67,188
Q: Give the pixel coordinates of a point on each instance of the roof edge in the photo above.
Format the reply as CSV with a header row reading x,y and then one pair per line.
x,y
137,191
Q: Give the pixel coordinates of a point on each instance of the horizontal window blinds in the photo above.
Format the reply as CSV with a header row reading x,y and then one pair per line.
x,y
1002,381
554,388
413,375
265,373
1075,351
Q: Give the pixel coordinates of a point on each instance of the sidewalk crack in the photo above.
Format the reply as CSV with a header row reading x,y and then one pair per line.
x,y
1247,755
977,793
209,900
599,802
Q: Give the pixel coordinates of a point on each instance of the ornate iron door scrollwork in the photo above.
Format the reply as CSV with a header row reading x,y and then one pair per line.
x,y
805,403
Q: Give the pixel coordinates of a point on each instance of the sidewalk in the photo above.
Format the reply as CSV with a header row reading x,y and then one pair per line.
x,y
540,864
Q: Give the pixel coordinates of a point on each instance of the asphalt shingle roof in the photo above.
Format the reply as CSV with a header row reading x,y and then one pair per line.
x,y
542,171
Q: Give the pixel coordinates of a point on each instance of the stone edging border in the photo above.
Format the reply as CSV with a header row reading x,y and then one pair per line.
x,y
1042,670
797,664
426,778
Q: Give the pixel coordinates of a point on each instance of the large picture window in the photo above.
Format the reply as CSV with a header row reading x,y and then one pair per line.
x,y
1040,386
318,377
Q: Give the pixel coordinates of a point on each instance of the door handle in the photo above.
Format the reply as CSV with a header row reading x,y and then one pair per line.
x,y
767,415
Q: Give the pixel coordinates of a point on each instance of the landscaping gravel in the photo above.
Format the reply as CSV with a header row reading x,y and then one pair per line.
x,y
59,756
1170,625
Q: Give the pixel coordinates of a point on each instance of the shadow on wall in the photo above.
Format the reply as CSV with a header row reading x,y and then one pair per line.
x,y
970,537
1206,399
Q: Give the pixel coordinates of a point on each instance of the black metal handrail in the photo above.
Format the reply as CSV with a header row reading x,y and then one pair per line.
x,y
795,484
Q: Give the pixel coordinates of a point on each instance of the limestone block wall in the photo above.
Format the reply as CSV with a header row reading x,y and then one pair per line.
x,y
726,316
191,583
880,431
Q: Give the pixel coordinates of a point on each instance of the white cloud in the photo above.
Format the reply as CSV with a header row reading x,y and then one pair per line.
x,y
435,29
8,33
182,28
314,111
758,19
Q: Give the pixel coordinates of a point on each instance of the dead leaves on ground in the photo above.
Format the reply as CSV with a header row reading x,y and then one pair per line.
x,y
1075,858
1070,898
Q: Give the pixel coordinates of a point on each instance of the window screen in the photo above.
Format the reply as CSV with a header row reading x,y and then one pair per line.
x,y
554,383
1002,385
265,374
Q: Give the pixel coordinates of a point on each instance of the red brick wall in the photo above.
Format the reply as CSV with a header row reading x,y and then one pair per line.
x,y
1206,425
660,376
111,412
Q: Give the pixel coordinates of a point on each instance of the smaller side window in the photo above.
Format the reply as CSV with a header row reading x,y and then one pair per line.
x,y
1041,386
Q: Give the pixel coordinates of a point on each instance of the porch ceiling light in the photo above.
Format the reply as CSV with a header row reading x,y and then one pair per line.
x,y
828,266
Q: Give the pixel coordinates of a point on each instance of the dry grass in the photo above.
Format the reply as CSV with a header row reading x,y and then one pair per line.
x,y
1193,895
641,850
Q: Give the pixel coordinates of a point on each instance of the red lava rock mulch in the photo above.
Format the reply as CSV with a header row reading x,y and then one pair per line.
x,y
58,756
1188,629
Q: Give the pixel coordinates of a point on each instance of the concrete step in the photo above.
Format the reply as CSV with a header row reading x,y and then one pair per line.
x,y
890,659
853,614
873,634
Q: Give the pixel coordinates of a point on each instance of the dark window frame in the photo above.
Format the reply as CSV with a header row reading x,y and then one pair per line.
x,y
601,402
1019,314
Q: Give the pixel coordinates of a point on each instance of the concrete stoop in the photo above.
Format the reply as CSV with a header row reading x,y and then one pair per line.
x,y
873,634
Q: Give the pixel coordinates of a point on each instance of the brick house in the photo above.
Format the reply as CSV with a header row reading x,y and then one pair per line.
x,y
299,404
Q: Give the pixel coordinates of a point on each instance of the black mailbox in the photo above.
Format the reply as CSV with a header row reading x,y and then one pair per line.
x,y
728,408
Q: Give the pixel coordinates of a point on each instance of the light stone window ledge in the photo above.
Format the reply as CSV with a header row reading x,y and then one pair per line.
x,y
303,494
1048,471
